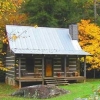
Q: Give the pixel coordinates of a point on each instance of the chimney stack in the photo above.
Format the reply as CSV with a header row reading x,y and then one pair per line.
x,y
73,31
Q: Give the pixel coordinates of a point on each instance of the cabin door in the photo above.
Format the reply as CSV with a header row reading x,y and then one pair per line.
x,y
48,67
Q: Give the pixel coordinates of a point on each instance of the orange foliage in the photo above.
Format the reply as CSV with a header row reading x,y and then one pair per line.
x,y
89,39
9,14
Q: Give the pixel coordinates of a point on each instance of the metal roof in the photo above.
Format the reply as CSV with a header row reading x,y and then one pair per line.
x,y
42,40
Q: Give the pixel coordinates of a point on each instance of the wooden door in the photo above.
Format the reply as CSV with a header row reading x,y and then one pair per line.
x,y
48,67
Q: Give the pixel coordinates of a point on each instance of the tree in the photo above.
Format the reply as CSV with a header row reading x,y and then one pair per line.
x,y
9,14
44,12
89,39
58,13
97,11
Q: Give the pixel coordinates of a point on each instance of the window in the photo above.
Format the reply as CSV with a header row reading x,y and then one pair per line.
x,y
30,64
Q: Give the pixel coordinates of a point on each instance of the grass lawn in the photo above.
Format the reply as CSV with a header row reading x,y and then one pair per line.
x,y
76,90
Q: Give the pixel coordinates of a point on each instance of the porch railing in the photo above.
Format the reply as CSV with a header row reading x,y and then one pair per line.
x,y
55,74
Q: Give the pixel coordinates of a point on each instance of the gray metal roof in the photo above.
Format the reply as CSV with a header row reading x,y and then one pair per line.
x,y
42,40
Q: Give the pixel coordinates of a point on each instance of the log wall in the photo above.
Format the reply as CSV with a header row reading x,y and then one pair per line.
x,y
10,63
58,66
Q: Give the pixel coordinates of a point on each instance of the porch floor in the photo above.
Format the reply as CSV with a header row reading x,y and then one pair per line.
x,y
40,79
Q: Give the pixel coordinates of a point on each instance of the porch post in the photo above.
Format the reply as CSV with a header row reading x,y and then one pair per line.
x,y
84,66
43,70
65,66
19,68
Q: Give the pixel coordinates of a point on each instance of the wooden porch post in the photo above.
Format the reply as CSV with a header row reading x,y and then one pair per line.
x,y
43,70
78,65
84,66
19,70
65,66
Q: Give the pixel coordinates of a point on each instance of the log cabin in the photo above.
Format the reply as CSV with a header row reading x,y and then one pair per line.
x,y
43,54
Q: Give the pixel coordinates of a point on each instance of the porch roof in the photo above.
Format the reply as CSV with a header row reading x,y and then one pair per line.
x,y
42,40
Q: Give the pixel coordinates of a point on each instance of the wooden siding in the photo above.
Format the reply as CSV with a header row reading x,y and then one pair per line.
x,y
23,66
72,63
38,63
10,62
57,65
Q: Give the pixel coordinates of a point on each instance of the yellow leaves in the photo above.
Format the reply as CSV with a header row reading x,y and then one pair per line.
x,y
9,14
8,9
35,26
83,23
18,19
7,68
5,40
14,37
87,28
0,17
6,6
2,67
89,68
14,10
16,65
94,66
3,53
89,39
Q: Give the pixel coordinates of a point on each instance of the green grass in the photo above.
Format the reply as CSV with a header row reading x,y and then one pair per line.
x,y
82,90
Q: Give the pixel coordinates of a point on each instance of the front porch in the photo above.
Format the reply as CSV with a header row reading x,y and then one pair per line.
x,y
49,69
49,80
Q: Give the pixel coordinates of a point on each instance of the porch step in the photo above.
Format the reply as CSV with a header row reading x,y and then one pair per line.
x,y
62,81
50,81
57,81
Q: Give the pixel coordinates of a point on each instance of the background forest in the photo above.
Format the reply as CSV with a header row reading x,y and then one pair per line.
x,y
55,13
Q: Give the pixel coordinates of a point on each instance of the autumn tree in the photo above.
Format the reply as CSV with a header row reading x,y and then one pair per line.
x,y
9,14
89,39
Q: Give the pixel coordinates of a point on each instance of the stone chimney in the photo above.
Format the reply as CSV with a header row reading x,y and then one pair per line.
x,y
73,31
